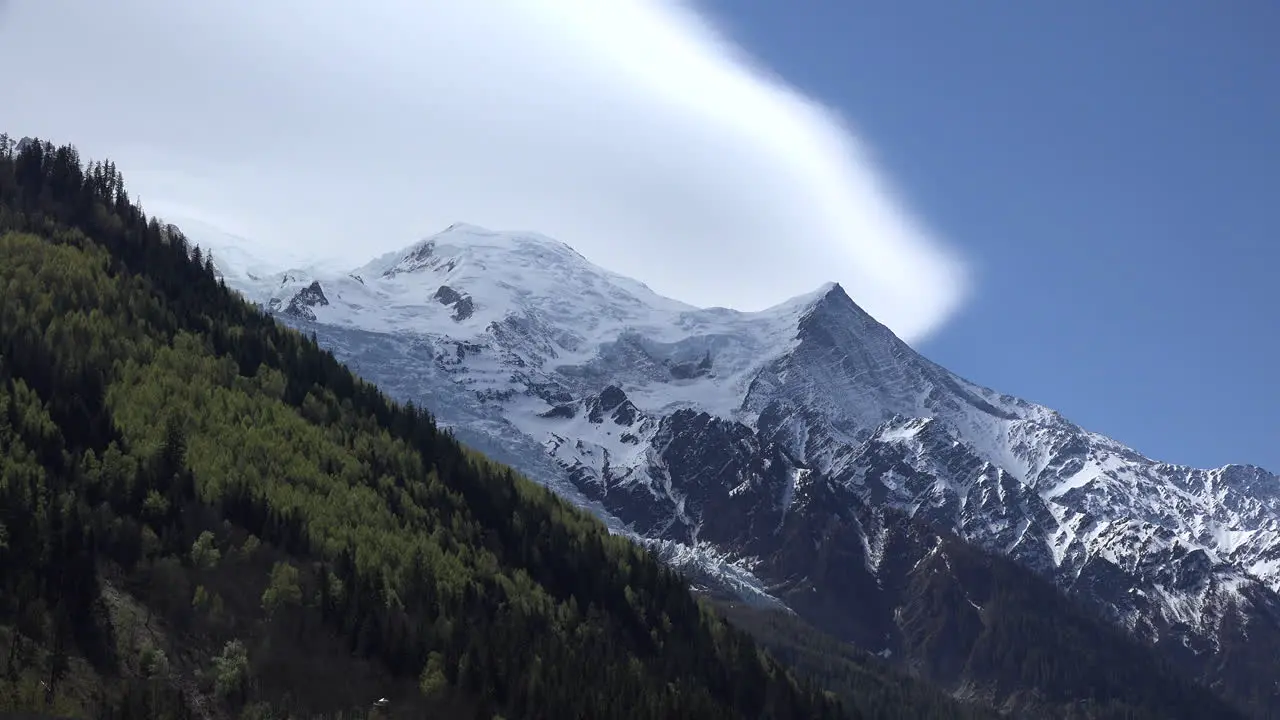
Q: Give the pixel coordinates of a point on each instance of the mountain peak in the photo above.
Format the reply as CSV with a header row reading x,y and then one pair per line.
x,y
466,227
464,233
830,305
831,296
826,291
831,287
464,241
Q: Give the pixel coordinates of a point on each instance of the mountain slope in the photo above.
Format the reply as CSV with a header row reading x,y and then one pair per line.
x,y
202,513
629,403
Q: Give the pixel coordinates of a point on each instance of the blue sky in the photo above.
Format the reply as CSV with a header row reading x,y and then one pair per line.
x,y
1112,172
1080,207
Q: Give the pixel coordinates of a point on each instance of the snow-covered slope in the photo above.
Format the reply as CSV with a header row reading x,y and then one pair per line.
x,y
513,307
700,428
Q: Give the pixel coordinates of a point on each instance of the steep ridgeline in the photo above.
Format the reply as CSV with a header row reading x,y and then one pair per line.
x,y
203,514
710,432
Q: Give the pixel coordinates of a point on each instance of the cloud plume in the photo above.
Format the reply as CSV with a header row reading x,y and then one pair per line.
x,y
630,129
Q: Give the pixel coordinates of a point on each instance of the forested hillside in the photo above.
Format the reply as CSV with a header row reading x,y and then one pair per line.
x,y
202,514
870,683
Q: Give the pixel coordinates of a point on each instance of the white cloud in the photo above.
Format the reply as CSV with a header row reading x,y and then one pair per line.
x,y
628,128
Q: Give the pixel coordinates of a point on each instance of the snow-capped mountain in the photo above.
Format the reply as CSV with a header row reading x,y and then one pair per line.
x,y
732,439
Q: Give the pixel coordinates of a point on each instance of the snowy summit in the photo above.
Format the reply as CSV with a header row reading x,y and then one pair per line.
x,y
707,430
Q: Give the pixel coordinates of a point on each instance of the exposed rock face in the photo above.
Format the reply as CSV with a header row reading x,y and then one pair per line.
x,y
461,304
303,304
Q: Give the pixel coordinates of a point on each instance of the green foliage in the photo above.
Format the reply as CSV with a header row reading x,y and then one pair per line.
x,y
155,506
864,683
284,589
204,551
231,670
153,662
433,679
148,416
